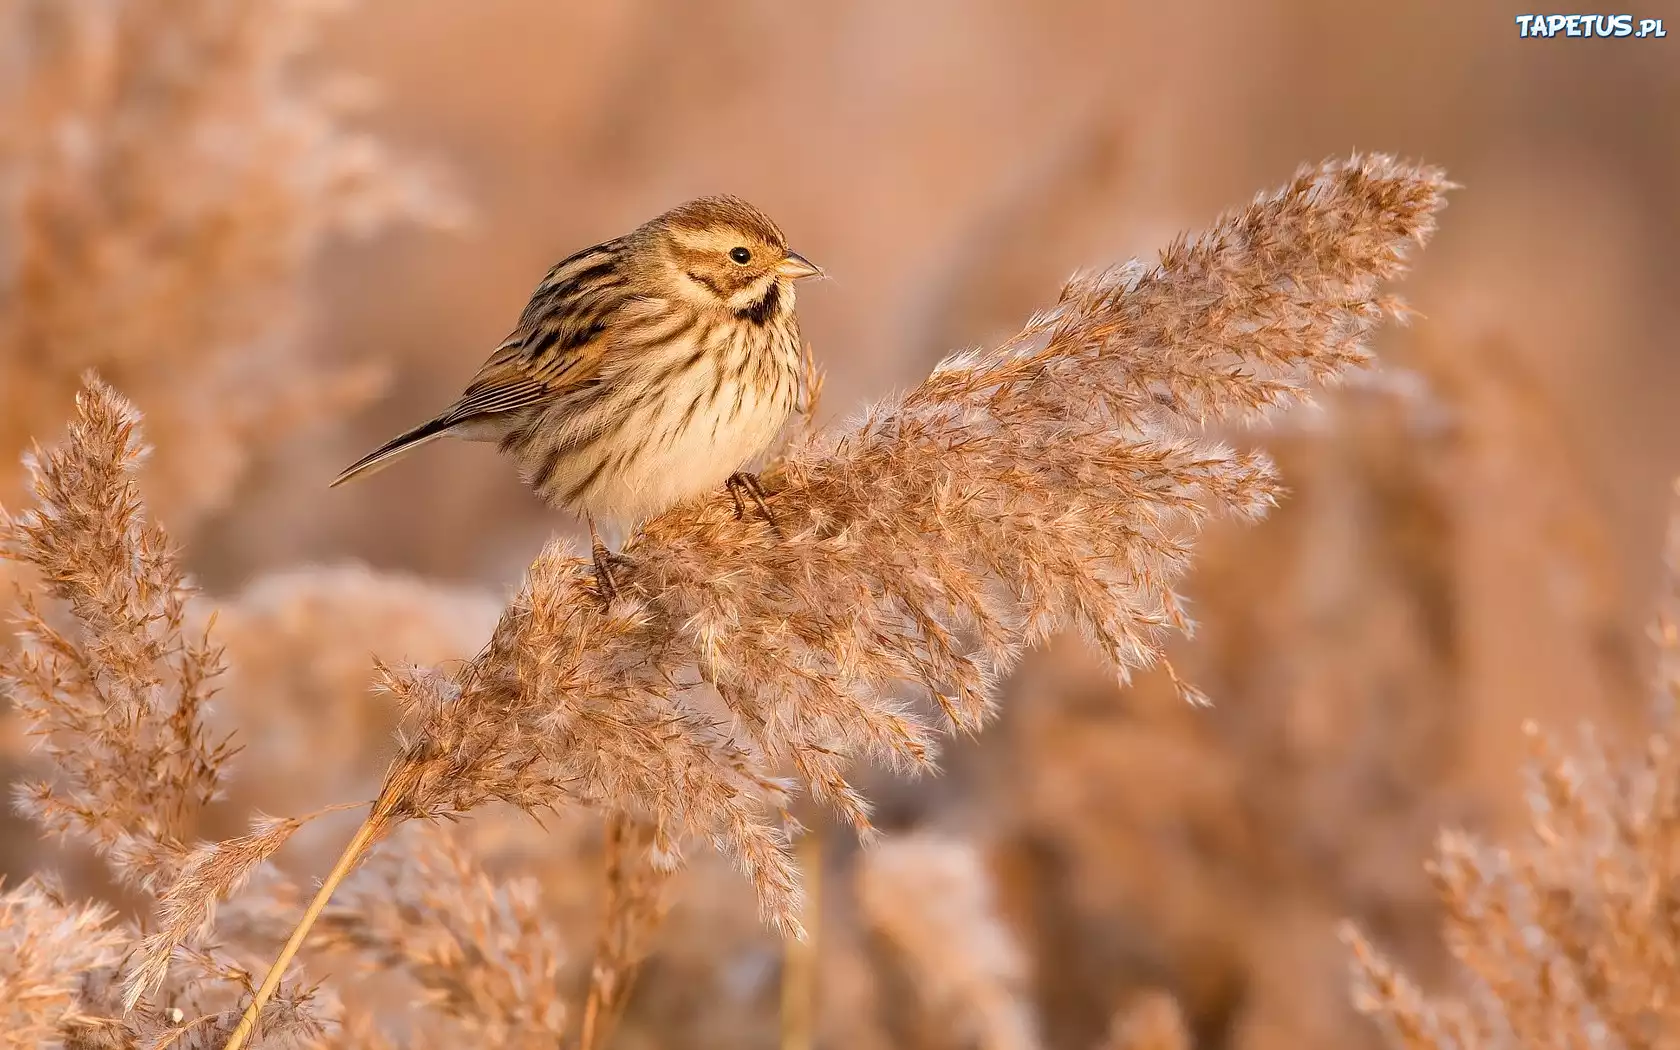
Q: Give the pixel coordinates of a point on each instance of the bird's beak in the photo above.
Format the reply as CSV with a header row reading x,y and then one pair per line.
x,y
796,266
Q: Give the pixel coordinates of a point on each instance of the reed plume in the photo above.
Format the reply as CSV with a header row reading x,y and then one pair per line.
x,y
113,684
1055,482
931,898
49,948
481,953
1568,937
117,705
171,169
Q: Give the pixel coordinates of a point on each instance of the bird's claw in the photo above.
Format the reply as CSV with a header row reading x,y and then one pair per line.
x,y
605,559
604,581
740,482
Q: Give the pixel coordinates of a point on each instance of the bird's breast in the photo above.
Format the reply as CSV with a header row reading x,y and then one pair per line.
x,y
677,418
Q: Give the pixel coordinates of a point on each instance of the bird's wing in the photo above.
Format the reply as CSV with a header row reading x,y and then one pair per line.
x,y
559,342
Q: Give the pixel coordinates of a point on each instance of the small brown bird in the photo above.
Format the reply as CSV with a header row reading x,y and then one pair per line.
x,y
644,370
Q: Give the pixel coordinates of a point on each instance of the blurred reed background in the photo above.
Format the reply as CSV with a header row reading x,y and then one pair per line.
x,y
282,267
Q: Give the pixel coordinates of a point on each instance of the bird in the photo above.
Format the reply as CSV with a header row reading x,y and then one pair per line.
x,y
644,371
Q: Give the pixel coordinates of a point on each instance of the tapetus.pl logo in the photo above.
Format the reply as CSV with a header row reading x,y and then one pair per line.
x,y
1590,25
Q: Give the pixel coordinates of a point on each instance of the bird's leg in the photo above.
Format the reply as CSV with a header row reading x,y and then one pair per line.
x,y
741,481
603,564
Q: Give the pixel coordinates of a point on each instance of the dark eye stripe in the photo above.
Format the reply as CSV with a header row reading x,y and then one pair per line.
x,y
708,282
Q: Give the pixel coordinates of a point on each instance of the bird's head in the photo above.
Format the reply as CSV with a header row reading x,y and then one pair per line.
x,y
724,253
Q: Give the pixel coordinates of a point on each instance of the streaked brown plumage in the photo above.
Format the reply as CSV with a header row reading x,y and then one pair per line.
x,y
645,370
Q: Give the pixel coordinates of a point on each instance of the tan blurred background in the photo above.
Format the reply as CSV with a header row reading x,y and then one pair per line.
x,y
1454,561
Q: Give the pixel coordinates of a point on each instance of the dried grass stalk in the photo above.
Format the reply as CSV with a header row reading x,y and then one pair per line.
x,y
635,907
797,1018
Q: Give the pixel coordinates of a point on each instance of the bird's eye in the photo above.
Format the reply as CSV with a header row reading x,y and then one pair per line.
x,y
740,255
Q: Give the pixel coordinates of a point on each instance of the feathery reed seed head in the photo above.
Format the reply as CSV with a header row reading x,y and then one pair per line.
x,y
1054,482
1570,936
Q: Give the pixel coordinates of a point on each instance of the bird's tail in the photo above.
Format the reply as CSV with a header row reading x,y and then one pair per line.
x,y
407,441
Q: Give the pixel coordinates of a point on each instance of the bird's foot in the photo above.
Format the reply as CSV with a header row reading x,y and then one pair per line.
x,y
605,582
740,482
605,559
